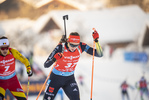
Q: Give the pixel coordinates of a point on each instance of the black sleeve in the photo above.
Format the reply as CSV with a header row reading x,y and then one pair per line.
x,y
50,59
88,49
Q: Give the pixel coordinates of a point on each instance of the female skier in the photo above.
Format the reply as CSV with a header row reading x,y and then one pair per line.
x,y
66,55
8,78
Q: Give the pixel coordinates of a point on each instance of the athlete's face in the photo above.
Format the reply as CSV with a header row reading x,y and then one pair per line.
x,y
4,50
73,46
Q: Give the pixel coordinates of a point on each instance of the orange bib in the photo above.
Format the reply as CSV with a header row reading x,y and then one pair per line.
x,y
69,61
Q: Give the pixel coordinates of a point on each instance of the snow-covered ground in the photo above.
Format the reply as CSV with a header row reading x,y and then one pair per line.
x,y
108,75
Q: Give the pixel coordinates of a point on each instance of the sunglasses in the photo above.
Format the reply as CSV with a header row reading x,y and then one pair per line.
x,y
4,48
72,45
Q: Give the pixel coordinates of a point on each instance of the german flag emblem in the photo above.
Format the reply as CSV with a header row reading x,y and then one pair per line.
x,y
4,43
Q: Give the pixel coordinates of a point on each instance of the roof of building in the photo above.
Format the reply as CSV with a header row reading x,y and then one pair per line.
x,y
41,3
120,24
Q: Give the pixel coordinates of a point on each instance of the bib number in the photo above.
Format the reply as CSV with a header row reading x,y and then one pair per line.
x,y
7,67
70,65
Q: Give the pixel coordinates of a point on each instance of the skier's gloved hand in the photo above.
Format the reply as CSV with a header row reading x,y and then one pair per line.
x,y
29,71
57,56
63,39
95,36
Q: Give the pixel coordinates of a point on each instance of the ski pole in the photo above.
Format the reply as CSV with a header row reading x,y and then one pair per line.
x,y
65,17
92,68
28,87
136,95
44,83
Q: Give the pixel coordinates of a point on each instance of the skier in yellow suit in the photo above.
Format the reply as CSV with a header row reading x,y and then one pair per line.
x,y
8,78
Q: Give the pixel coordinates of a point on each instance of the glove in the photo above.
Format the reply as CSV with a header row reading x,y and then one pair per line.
x,y
63,39
57,56
29,71
95,36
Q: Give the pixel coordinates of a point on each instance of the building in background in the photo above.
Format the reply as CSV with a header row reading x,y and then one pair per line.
x,y
33,9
